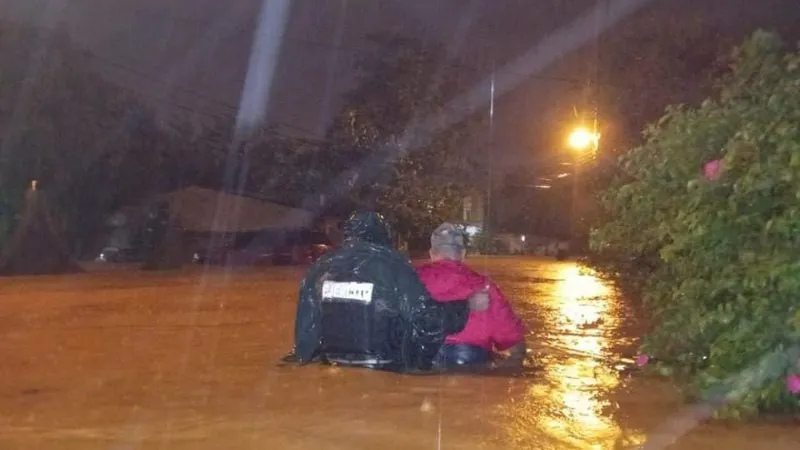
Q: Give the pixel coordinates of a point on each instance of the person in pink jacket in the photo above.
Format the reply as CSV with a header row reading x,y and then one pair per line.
x,y
496,329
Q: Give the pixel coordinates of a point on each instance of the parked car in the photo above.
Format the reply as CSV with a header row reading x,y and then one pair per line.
x,y
221,246
119,255
302,247
268,247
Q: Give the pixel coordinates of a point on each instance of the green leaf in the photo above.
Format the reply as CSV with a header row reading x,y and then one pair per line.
x,y
721,277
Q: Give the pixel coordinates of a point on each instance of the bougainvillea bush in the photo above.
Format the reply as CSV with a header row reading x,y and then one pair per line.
x,y
711,202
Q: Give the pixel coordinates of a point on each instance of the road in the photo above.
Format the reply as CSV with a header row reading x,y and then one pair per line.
x,y
187,360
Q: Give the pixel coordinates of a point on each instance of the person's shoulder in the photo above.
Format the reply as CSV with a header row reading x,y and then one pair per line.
x,y
425,267
327,262
400,261
348,251
441,268
465,270
376,255
451,273
326,258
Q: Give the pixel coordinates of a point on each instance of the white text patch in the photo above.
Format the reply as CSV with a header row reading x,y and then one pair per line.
x,y
347,291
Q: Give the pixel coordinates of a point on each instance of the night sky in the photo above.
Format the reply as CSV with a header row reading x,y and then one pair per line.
x,y
188,57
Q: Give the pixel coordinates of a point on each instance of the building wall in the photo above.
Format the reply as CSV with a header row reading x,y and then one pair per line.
x,y
471,213
473,210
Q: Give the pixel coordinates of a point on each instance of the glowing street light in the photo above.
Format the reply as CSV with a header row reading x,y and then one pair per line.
x,y
581,139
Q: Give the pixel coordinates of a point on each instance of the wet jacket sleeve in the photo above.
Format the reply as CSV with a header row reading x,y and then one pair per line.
x,y
307,320
507,329
430,318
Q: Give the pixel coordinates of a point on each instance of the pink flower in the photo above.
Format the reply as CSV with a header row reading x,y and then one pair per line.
x,y
793,384
642,360
712,170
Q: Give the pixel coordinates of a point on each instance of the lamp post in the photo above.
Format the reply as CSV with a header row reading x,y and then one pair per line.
x,y
581,140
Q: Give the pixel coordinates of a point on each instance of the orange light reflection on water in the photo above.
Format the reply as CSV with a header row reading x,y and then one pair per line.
x,y
576,375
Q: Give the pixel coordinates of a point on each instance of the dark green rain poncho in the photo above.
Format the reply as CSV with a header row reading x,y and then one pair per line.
x,y
363,305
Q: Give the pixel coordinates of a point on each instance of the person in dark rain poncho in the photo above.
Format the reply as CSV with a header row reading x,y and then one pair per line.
x,y
363,305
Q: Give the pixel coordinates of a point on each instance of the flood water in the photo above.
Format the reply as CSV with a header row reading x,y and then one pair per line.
x,y
188,360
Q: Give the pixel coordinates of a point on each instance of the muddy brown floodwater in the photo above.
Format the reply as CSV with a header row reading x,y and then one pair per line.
x,y
187,360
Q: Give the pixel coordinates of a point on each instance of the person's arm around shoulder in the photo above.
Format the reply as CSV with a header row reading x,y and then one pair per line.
x,y
517,354
429,317
430,320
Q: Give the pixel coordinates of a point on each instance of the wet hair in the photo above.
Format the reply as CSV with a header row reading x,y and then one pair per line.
x,y
447,241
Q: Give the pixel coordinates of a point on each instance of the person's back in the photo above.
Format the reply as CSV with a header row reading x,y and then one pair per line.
x,y
448,278
363,305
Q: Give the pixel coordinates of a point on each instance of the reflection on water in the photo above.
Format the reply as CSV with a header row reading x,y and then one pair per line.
x,y
567,407
147,368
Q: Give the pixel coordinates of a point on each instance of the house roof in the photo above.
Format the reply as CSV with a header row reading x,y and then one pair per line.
x,y
206,210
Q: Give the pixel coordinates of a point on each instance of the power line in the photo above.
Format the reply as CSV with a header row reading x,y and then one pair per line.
x,y
144,12
350,49
228,114
231,109
249,28
461,64
154,79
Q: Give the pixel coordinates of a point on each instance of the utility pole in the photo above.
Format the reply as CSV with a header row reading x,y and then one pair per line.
x,y
581,141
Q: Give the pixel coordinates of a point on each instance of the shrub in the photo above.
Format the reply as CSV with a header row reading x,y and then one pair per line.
x,y
712,201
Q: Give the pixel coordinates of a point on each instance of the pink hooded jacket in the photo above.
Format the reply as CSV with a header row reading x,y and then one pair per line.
x,y
496,328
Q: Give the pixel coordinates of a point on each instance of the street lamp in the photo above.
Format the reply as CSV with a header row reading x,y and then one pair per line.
x,y
581,139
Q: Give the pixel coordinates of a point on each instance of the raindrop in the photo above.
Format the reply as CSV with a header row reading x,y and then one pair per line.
x,y
427,406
